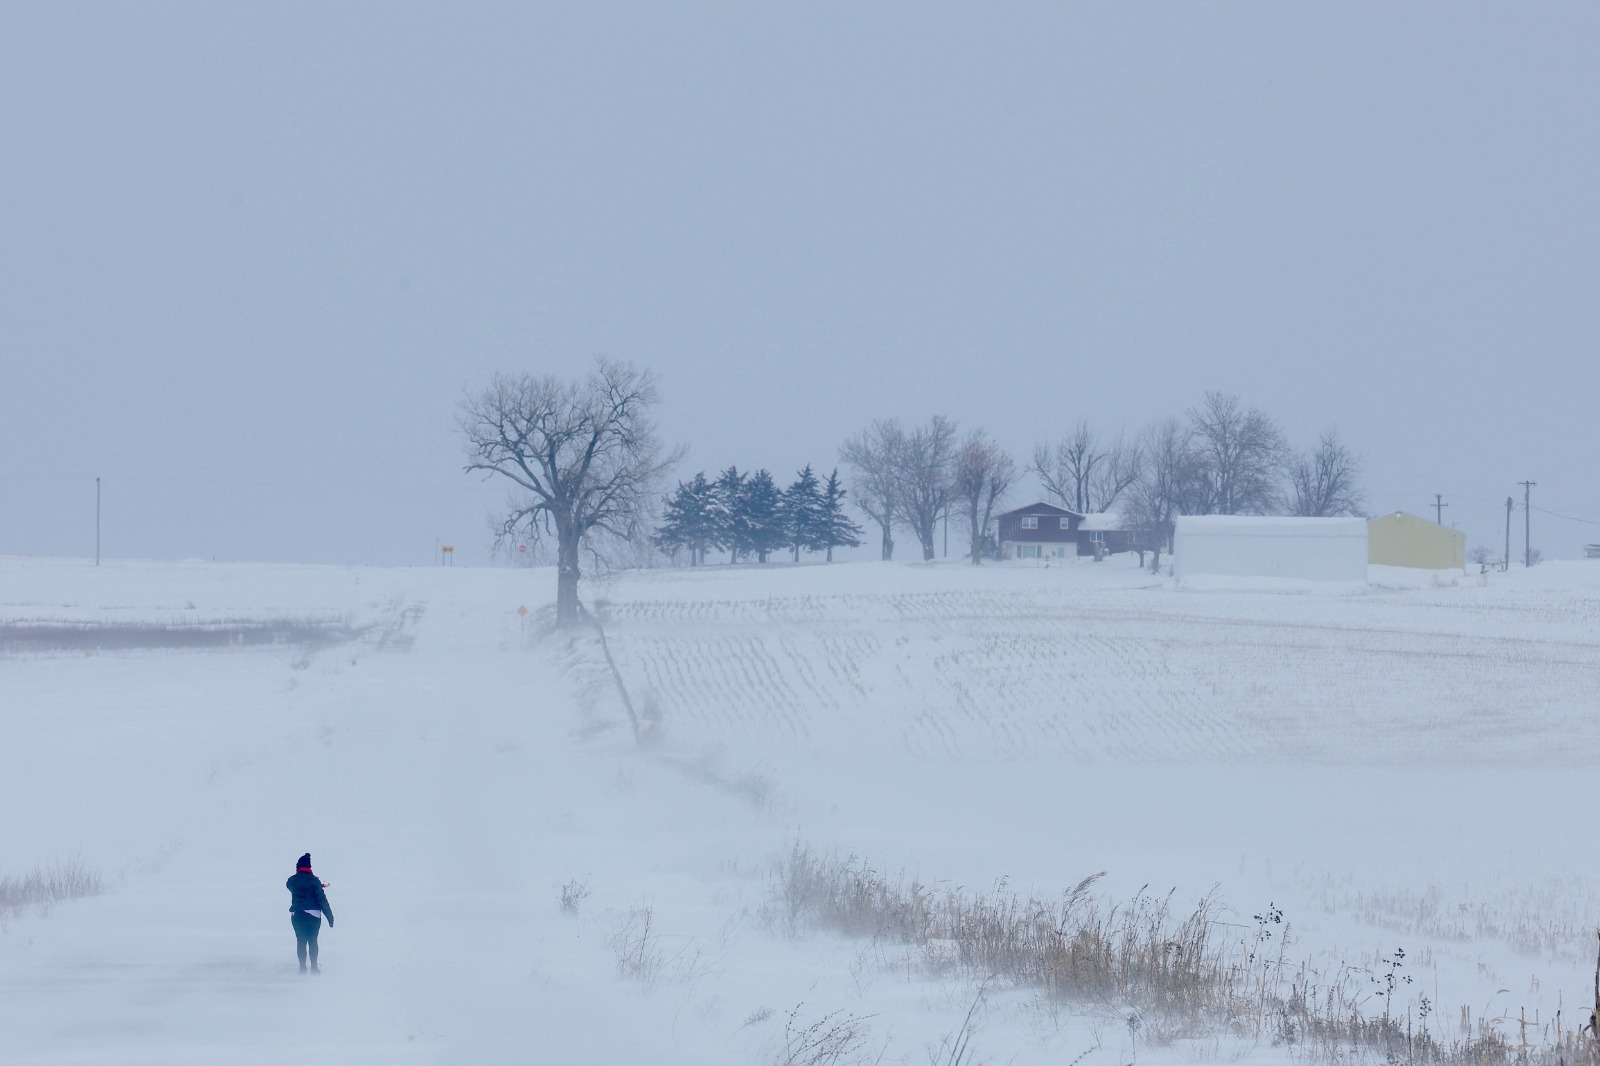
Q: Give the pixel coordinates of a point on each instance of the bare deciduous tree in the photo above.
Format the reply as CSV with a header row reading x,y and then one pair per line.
x,y
871,456
923,477
1322,483
1240,455
983,474
1067,469
584,455
1169,476
1083,475
1118,471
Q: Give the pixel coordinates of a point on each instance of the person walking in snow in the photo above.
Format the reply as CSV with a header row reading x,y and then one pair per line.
x,y
308,905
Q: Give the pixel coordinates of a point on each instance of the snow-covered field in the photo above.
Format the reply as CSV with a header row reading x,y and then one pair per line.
x,y
1406,765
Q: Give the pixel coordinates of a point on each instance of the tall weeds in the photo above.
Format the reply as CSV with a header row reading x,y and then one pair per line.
x,y
49,884
1177,972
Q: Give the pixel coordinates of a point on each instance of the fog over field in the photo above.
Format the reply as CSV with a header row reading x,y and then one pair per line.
x,y
812,788
255,253
680,511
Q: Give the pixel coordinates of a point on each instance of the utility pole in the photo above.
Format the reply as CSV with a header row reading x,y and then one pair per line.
x,y
1505,560
1438,508
1527,523
97,521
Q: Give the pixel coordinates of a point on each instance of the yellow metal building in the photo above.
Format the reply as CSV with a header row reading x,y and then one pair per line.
x,y
1402,539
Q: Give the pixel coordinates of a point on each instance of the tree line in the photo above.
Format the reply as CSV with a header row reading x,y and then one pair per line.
x,y
749,517
1221,457
587,463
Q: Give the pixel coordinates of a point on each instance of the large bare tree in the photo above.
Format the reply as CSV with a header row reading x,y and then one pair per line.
x,y
1084,475
583,454
871,456
1066,469
1167,485
983,474
1119,470
1240,453
924,481
1322,482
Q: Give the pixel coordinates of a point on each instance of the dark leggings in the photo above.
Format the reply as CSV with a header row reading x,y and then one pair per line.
x,y
306,928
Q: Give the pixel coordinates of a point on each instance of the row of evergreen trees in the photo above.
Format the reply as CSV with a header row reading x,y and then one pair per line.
x,y
748,516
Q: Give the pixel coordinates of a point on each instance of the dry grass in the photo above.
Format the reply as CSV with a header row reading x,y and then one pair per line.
x,y
1171,972
45,637
46,885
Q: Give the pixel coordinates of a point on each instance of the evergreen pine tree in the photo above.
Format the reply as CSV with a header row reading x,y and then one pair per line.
x,y
757,515
834,528
801,513
692,519
732,534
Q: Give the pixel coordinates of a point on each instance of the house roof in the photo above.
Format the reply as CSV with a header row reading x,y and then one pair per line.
x,y
1402,517
1105,520
1269,526
1405,520
1040,508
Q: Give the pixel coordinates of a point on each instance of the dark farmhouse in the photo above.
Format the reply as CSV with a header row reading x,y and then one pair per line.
x,y
1038,531
1044,531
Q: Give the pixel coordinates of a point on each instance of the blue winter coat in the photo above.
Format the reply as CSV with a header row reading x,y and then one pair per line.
x,y
306,894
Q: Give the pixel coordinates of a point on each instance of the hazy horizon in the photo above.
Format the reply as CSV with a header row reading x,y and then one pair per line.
x,y
257,254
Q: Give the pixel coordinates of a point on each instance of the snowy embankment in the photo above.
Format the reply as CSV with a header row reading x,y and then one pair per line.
x,y
1390,767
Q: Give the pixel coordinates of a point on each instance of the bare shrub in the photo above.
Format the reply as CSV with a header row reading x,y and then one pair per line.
x,y
637,947
824,1042
48,884
573,893
956,1048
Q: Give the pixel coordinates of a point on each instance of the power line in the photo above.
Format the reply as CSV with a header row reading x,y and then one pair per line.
x,y
1495,510
245,483
1568,517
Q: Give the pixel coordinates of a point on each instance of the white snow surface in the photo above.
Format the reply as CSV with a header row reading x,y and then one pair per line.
x,y
1396,765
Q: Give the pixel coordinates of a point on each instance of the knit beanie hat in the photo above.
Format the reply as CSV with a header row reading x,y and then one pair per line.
x,y
304,862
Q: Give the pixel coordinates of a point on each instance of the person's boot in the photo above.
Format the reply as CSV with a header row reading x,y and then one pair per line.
x,y
302,967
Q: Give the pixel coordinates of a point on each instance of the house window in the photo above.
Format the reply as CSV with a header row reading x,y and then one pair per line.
x,y
1066,523
1027,551
1030,522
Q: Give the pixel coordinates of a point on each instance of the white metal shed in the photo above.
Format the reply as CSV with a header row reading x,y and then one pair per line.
x,y
1311,549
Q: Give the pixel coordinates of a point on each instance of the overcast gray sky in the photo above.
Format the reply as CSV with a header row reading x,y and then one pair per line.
x,y
250,255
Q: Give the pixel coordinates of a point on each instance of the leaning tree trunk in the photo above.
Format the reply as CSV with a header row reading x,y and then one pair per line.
x,y
888,542
568,610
